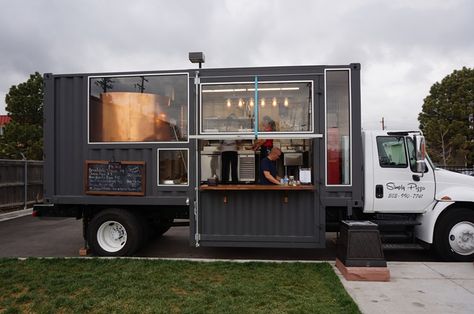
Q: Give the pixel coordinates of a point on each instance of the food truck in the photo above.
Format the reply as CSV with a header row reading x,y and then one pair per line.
x,y
129,153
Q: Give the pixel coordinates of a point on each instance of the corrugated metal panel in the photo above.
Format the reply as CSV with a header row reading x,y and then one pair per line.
x,y
67,148
69,119
259,216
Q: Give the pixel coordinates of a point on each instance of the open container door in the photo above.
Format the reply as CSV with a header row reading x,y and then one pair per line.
x,y
249,214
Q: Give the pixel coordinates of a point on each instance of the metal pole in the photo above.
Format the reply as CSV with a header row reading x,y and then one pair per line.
x,y
25,181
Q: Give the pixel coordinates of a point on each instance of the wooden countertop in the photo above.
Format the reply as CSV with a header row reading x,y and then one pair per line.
x,y
255,187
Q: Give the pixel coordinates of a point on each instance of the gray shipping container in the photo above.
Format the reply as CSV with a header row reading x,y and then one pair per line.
x,y
160,122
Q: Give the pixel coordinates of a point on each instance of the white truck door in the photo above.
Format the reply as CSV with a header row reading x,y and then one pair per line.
x,y
397,186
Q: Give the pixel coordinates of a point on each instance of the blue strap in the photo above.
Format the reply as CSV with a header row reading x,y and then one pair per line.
x,y
255,109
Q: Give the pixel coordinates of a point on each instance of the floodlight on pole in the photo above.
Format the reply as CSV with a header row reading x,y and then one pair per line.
x,y
197,57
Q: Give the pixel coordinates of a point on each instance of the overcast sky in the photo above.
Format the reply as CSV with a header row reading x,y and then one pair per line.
x,y
404,46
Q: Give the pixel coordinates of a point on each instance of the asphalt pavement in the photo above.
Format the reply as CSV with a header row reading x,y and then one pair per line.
x,y
28,236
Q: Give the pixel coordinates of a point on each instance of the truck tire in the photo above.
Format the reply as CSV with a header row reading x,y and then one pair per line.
x,y
454,235
114,232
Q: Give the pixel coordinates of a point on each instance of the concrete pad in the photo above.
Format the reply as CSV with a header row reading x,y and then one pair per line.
x,y
416,288
466,284
401,270
454,270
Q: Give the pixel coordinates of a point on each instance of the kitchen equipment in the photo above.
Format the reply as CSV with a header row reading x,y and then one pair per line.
x,y
246,166
292,159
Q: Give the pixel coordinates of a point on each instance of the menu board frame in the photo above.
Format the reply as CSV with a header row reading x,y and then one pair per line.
x,y
89,163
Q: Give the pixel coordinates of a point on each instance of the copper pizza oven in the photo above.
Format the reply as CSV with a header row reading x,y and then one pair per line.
x,y
129,117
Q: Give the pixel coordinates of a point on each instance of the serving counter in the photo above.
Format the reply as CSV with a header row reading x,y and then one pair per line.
x,y
255,187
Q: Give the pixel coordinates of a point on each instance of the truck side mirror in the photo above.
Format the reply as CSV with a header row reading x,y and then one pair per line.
x,y
420,153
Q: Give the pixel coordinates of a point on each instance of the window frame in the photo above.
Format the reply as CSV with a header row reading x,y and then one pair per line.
x,y
349,70
158,167
405,152
185,74
311,108
413,168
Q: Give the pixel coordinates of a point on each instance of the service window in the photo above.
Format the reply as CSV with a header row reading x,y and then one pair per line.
x,y
392,152
285,107
173,167
227,108
142,108
338,127
282,107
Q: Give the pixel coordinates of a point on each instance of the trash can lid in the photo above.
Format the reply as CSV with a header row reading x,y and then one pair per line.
x,y
359,224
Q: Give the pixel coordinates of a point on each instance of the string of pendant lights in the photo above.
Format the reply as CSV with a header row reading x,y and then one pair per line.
x,y
274,102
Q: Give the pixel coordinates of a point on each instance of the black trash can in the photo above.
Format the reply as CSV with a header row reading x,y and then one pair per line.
x,y
359,244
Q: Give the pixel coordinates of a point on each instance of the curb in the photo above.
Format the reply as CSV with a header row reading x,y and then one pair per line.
x,y
178,259
16,214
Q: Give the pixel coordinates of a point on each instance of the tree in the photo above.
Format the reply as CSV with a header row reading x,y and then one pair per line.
x,y
24,134
446,119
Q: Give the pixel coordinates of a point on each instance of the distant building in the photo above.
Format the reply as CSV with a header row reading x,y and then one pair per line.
x,y
4,120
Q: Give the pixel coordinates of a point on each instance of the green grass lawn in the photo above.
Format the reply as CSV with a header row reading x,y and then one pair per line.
x,y
154,286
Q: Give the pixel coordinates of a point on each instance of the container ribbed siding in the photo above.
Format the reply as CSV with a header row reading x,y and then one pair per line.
x,y
275,218
66,143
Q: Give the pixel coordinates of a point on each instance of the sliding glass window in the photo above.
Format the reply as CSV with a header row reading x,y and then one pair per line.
x,y
142,108
282,107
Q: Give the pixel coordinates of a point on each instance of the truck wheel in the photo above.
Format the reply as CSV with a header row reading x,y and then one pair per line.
x,y
454,236
114,232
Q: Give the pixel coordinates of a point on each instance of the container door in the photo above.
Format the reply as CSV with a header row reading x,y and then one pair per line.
x,y
248,214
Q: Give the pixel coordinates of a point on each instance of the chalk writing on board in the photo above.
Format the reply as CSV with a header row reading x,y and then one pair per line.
x,y
115,178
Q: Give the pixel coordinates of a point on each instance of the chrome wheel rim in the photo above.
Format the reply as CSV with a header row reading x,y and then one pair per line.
x,y
461,238
111,236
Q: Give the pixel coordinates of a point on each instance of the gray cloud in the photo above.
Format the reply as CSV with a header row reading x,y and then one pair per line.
x,y
404,46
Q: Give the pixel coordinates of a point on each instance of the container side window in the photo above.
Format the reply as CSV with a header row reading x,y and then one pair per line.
x,y
173,167
285,107
227,108
338,141
148,108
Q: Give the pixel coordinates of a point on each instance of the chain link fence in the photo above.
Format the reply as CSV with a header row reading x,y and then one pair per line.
x,y
21,183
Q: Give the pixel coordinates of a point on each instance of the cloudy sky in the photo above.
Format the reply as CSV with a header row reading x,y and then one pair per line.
x,y
404,46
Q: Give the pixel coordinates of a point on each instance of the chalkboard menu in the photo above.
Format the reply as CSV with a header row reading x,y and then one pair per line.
x,y
114,178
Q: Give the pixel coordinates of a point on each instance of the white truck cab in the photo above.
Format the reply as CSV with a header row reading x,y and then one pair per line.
x,y
400,179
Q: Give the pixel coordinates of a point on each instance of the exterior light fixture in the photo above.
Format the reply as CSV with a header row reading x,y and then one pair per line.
x,y
197,57
274,102
285,103
262,102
